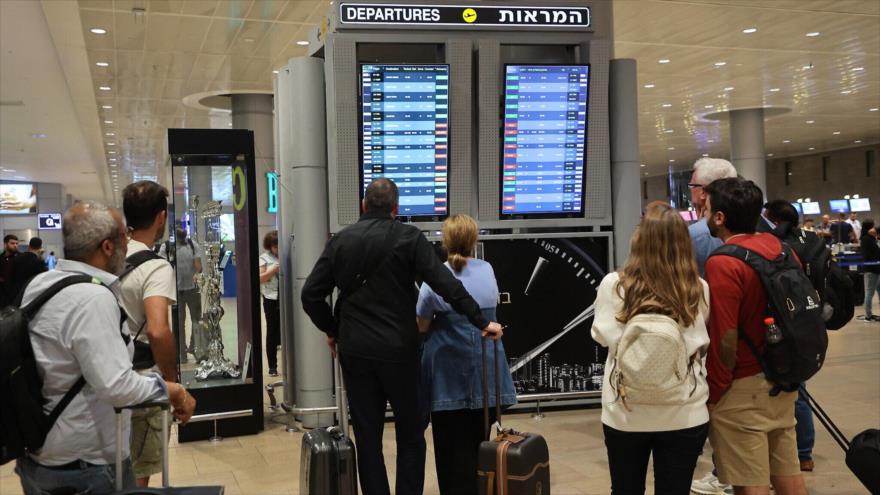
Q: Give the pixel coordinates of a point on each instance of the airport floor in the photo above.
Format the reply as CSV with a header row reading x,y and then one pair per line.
x,y
848,388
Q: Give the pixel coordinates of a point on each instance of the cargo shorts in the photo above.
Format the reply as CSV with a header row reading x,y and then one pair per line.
x,y
146,441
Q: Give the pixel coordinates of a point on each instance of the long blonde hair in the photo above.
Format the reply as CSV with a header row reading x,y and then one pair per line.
x,y
661,273
459,239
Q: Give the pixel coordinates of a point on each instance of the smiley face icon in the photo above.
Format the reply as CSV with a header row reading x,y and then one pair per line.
x,y
469,16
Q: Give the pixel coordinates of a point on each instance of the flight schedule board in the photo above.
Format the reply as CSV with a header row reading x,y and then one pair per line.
x,y
544,141
405,135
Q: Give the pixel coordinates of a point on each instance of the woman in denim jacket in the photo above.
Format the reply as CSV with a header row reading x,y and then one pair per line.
x,y
451,362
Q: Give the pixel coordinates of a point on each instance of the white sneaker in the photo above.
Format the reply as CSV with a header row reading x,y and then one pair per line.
x,y
709,485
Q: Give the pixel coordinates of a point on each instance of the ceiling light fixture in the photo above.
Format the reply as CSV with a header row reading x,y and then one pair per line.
x,y
709,106
642,165
669,131
873,109
302,43
649,86
729,88
857,69
813,34
774,90
666,105
810,148
671,161
720,64
111,144
98,31
811,121
750,30
39,135
786,141
836,133
112,152
274,72
102,64
663,61
705,155
108,122
769,154
104,88
807,67
106,107
110,134
846,91
710,141
671,148
857,141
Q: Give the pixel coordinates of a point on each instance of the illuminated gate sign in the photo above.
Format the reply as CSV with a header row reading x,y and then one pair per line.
x,y
406,16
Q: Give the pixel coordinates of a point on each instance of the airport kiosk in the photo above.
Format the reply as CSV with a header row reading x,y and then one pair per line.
x,y
498,110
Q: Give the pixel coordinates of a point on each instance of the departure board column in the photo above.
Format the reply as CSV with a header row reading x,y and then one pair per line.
x,y
405,117
545,110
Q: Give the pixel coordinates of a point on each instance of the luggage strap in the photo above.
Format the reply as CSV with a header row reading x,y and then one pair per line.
x,y
829,425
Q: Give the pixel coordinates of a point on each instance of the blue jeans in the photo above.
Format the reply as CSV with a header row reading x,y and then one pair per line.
x,y
90,479
805,430
871,280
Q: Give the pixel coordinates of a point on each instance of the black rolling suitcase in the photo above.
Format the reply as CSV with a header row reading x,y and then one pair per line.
x,y
513,462
862,454
166,488
328,464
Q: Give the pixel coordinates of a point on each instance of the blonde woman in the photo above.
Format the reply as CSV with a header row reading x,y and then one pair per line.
x,y
451,362
658,290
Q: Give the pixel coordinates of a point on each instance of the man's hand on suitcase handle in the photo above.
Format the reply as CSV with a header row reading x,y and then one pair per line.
x,y
184,404
494,331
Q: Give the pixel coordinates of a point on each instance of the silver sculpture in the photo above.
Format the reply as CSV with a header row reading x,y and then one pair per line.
x,y
215,364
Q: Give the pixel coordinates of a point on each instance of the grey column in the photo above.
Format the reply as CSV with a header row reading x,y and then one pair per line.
x,y
624,126
285,232
747,145
254,112
308,174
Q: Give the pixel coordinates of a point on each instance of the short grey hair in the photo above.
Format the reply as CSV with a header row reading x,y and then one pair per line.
x,y
86,224
708,170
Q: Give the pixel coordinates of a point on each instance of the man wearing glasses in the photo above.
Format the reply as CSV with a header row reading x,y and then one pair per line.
x,y
706,170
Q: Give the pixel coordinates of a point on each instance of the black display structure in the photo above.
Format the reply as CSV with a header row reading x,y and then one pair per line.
x,y
547,289
219,337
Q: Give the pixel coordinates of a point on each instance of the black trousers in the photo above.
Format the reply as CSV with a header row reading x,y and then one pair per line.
x,y
675,457
457,436
273,331
370,384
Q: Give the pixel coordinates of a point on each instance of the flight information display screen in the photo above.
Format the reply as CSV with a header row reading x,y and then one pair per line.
x,y
405,134
544,141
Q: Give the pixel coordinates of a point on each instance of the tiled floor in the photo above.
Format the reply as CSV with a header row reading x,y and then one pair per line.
x,y
268,463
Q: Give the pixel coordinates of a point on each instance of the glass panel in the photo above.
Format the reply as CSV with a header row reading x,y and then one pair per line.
x,y
213,338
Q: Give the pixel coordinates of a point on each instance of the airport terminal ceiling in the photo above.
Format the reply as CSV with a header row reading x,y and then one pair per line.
x,y
821,59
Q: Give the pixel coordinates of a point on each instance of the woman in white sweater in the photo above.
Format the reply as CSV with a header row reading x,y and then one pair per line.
x,y
652,317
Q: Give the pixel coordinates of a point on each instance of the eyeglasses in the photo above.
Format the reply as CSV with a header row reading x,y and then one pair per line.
x,y
694,186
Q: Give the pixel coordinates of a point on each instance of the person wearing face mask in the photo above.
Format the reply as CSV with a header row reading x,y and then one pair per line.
x,y
80,348
147,291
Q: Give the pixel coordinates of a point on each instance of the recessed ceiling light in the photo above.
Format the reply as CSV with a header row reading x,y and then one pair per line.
x,y
106,107
774,90
810,148
302,43
98,31
873,109
705,154
836,133
669,131
720,64
811,121
649,86
807,67
110,134
671,161
666,105
671,148
786,141
108,121
102,64
642,165
750,30
112,152
709,106
39,135
112,164
663,61
769,154
646,174
813,34
274,72
846,91
104,88
729,88
111,144
857,69
247,40
113,159
230,124
710,141
857,141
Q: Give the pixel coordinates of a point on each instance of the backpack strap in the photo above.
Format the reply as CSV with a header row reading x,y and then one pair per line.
x,y
31,309
138,259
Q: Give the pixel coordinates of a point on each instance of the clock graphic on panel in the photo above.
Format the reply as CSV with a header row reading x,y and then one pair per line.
x,y
548,287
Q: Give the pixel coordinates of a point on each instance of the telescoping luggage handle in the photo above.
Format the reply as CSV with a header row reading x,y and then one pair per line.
x,y
486,389
166,407
341,403
829,425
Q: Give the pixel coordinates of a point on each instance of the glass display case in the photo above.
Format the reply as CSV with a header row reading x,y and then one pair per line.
x,y
212,245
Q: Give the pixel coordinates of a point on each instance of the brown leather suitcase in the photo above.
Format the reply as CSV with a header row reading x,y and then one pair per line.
x,y
513,463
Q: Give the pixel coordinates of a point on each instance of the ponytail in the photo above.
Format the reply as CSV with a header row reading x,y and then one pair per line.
x,y
457,261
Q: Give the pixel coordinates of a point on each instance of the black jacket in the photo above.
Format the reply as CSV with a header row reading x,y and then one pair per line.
x,y
870,251
375,263
24,267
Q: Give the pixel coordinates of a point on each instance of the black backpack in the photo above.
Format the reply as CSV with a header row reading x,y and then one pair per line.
x,y
23,424
834,286
143,354
797,308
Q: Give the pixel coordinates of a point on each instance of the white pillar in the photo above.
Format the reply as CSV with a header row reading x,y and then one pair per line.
x,y
747,145
254,112
625,182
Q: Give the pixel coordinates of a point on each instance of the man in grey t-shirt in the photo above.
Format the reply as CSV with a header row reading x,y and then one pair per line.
x,y
187,260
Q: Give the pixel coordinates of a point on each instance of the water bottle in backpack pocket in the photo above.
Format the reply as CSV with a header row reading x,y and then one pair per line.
x,y
651,363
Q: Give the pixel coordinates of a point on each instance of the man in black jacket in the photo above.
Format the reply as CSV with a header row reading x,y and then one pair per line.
x,y
26,265
375,263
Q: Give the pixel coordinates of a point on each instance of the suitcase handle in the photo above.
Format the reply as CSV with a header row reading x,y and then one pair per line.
x,y
829,425
166,407
485,381
341,402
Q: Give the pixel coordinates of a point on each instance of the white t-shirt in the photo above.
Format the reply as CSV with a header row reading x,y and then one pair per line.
x,y
150,279
607,331
857,227
269,290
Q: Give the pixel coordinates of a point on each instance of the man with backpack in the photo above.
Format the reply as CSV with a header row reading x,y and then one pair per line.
x,y
752,425
147,291
68,339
